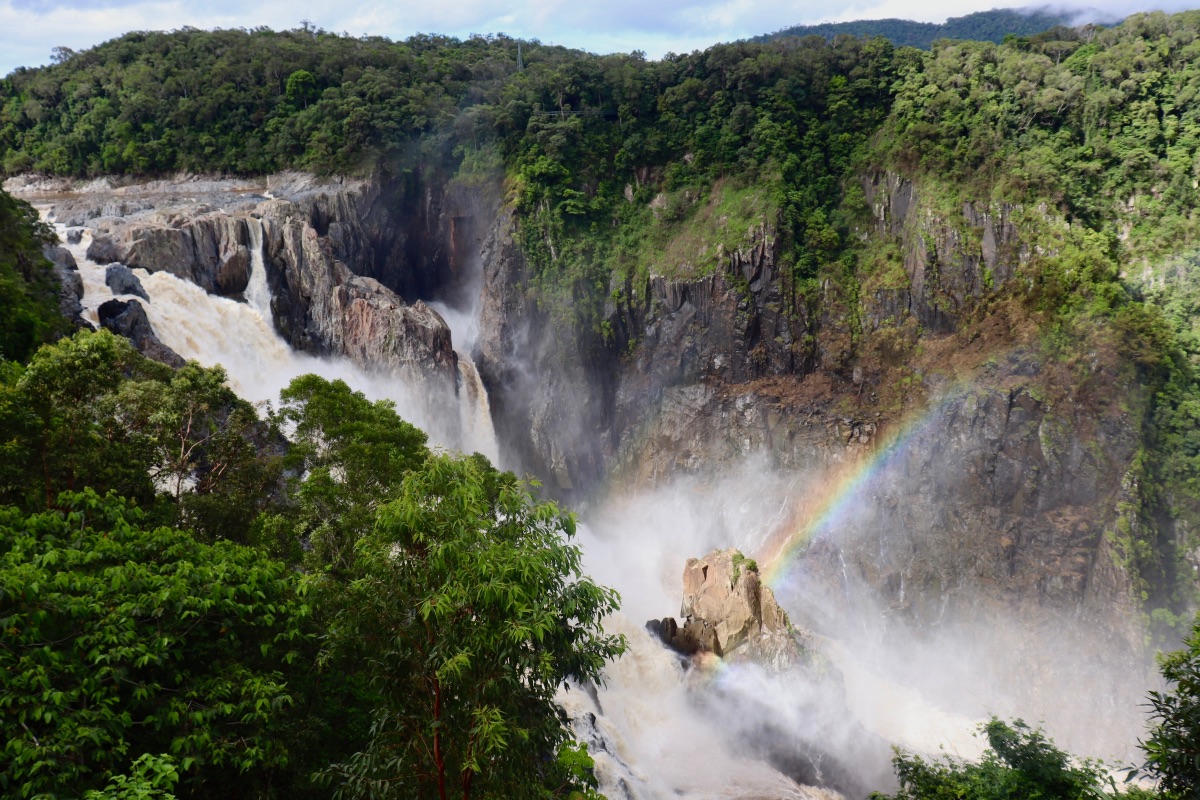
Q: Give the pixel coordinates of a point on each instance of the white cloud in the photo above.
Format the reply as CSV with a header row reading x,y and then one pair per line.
x,y
29,29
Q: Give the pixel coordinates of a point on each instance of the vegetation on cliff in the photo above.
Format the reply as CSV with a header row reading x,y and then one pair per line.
x,y
28,291
619,169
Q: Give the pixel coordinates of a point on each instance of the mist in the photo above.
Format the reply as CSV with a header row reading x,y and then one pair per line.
x,y
922,682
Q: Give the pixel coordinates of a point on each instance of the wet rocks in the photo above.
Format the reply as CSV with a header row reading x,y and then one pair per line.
x,y
128,318
373,326
105,249
121,280
233,275
728,611
70,292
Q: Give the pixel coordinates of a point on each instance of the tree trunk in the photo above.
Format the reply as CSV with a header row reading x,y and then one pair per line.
x,y
438,759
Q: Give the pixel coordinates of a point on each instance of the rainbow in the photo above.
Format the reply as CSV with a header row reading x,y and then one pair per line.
x,y
818,511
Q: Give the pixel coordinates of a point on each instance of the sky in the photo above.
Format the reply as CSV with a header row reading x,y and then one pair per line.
x,y
30,29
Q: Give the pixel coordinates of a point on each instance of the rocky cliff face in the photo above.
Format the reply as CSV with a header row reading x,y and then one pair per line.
x,y
320,244
70,285
950,260
693,351
995,509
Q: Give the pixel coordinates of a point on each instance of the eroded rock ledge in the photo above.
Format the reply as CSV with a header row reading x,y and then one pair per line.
x,y
322,242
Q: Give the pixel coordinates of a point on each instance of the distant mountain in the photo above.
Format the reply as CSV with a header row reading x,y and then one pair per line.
x,y
991,26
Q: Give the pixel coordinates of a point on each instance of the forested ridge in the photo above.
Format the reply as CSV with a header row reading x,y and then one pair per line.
x,y
202,601
989,26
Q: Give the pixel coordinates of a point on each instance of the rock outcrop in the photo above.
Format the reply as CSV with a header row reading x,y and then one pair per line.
x,y
951,261
320,243
208,248
70,285
121,280
128,318
728,611
730,615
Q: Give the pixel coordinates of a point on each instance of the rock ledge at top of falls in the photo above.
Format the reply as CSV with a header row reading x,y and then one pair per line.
x,y
728,611
316,238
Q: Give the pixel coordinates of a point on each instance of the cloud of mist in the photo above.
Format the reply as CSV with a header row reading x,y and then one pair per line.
x,y
923,685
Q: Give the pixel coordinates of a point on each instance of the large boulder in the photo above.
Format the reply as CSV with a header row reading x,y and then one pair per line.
x,y
128,318
105,249
729,612
121,280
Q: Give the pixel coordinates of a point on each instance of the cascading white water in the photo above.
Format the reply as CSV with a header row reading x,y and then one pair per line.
x,y
242,339
258,293
652,739
476,412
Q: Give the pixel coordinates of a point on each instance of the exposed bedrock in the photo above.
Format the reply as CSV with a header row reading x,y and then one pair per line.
x,y
568,400
128,318
340,255
995,510
729,612
70,284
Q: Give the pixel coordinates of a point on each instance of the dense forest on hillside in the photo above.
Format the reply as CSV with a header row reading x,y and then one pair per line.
x,y
261,631
984,26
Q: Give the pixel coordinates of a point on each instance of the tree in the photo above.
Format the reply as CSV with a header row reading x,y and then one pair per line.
x,y
469,613
1173,748
120,641
89,410
1019,764
28,291
58,423
301,88
207,451
347,456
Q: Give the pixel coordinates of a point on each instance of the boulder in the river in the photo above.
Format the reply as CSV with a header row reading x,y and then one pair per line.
x,y
128,318
105,249
728,611
75,236
121,280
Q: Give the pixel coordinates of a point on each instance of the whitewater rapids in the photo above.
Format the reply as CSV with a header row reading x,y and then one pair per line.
x,y
240,337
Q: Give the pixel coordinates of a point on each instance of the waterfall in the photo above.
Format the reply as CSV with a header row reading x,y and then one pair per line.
x,y
650,736
258,293
475,411
474,408
258,362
